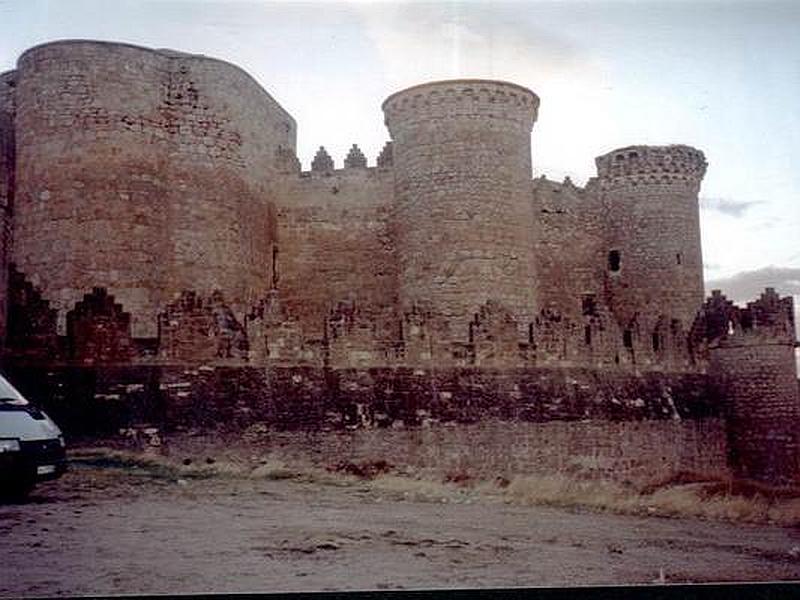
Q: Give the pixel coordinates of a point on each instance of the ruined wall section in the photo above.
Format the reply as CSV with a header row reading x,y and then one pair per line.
x,y
462,168
573,325
570,240
653,263
144,172
7,167
334,246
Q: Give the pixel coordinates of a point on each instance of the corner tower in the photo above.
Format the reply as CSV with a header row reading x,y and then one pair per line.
x,y
654,261
464,219
146,172
752,367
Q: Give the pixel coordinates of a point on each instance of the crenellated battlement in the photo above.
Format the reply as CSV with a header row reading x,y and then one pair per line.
x,y
772,315
651,165
324,165
767,320
286,161
472,98
355,158
322,162
386,157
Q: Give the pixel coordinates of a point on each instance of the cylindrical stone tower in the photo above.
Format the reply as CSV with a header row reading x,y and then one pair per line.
x,y
143,171
464,219
653,262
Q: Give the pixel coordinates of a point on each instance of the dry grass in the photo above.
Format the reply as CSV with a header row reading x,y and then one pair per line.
x,y
160,467
560,490
681,494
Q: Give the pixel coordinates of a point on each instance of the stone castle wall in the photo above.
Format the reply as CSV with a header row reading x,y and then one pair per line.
x,y
535,422
334,246
153,173
570,264
144,172
155,223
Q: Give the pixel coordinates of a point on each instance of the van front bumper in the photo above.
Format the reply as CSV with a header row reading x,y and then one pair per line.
x,y
37,460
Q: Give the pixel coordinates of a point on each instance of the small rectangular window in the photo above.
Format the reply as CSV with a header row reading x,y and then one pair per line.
x,y
678,258
589,305
587,335
614,260
627,338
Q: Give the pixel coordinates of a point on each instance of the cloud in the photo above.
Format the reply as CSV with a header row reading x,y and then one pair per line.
x,y
424,41
727,207
748,285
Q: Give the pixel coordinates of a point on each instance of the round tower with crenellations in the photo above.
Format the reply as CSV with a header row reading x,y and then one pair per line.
x,y
654,268
464,217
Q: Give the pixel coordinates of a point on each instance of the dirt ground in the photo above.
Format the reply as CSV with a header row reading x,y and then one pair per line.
x,y
110,531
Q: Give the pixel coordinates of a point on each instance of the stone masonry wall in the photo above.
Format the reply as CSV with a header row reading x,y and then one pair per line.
x,y
570,249
570,267
627,451
482,422
144,172
759,382
752,363
462,168
334,246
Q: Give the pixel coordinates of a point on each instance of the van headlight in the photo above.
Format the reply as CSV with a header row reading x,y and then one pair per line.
x,y
61,441
9,446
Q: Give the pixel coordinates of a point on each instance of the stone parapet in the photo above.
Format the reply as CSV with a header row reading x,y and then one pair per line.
x,y
652,165
471,98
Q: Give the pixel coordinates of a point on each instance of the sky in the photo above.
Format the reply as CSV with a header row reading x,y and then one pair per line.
x,y
723,76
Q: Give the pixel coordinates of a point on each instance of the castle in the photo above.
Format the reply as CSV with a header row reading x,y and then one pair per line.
x,y
156,219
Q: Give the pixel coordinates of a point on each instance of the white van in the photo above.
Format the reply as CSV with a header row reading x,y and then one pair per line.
x,y
31,445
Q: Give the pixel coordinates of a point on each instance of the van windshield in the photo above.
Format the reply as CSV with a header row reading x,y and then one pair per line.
x,y
9,395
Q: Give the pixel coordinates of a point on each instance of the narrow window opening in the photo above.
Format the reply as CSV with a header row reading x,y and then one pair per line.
x,y
587,335
656,342
274,267
614,260
589,305
678,258
627,338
